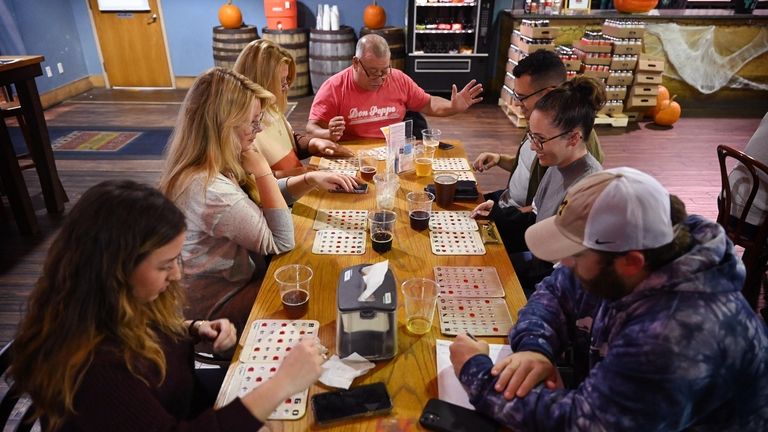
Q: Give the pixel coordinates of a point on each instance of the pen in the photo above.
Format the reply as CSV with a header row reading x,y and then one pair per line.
x,y
471,336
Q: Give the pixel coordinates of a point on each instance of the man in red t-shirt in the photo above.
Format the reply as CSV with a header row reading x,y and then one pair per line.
x,y
362,98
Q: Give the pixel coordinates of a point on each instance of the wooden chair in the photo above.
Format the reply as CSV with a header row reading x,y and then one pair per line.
x,y
751,238
13,404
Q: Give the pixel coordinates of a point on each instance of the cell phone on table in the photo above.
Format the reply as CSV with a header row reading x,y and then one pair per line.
x,y
444,146
361,401
359,189
444,416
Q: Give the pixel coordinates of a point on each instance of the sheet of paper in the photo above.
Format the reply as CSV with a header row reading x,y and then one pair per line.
x,y
449,388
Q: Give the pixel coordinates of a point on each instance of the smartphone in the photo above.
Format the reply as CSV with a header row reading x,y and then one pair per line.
x,y
359,189
444,146
443,416
361,401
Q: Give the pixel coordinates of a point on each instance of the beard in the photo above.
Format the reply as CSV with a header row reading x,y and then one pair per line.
x,y
606,284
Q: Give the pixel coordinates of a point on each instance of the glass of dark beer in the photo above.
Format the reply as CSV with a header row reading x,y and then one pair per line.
x,y
420,209
382,226
293,281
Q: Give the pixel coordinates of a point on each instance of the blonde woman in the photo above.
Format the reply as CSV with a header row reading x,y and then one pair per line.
x,y
103,346
212,170
273,67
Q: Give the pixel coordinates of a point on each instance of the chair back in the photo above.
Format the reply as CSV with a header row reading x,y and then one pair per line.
x,y
15,409
751,237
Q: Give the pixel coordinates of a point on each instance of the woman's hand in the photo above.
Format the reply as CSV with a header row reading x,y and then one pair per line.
x,y
302,366
329,180
220,332
486,161
254,163
324,147
522,371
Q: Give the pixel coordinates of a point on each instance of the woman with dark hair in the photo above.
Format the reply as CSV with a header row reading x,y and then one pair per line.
x,y
104,345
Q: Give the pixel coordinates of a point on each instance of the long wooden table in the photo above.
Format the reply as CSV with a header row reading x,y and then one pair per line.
x,y
411,375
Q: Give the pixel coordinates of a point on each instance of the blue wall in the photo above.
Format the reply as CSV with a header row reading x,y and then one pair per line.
x,y
61,30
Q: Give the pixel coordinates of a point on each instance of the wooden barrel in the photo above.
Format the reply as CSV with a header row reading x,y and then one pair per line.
x,y
295,41
227,43
330,51
395,37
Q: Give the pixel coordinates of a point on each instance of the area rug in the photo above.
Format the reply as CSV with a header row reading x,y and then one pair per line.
x,y
89,142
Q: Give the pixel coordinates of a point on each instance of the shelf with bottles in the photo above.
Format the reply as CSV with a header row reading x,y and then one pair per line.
x,y
435,20
444,31
444,43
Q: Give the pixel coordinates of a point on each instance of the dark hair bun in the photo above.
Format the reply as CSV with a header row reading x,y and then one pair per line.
x,y
590,91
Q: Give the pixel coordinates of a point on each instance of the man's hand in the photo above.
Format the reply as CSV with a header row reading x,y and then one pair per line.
x,y
522,371
468,96
336,128
482,210
486,161
463,349
324,147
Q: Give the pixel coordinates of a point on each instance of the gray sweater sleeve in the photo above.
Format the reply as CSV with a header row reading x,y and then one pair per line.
x,y
283,185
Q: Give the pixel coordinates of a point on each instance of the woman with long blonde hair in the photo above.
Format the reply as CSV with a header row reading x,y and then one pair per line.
x,y
104,345
212,172
273,67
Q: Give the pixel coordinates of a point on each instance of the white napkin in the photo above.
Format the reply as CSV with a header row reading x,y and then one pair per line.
x,y
373,277
340,373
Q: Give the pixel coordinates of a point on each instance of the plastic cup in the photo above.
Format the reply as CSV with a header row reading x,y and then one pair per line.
x,y
382,226
431,137
293,280
368,164
423,156
445,188
387,185
419,209
420,300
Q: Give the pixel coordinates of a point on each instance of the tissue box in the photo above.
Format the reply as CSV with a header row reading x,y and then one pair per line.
x,y
368,327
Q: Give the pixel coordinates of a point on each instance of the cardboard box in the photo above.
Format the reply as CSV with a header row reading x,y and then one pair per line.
x,y
514,54
647,63
572,65
509,80
611,109
506,95
623,64
633,49
641,101
586,59
510,65
531,48
623,33
615,79
644,90
595,74
540,32
647,78
616,94
591,48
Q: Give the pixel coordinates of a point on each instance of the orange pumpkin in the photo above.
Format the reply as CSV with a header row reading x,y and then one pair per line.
x,y
374,16
662,97
634,6
668,114
230,16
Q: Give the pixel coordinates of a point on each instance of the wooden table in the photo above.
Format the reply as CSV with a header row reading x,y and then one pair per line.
x,y
21,74
411,375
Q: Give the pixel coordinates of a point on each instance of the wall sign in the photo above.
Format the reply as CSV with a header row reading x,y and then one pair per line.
x,y
123,5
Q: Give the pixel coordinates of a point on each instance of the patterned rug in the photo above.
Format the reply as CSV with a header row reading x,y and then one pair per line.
x,y
94,141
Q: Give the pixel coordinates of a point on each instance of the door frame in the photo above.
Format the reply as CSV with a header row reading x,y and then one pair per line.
x,y
101,56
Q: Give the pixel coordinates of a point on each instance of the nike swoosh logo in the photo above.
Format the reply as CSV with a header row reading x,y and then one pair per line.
x,y
597,241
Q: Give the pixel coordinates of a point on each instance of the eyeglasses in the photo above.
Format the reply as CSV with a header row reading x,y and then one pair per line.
x,y
285,84
256,125
538,142
373,74
522,98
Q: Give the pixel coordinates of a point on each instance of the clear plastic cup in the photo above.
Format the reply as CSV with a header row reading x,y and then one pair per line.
x,y
431,137
293,281
420,300
387,185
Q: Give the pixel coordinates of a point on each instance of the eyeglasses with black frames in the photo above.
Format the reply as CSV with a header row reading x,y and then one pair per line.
x,y
374,73
522,98
539,142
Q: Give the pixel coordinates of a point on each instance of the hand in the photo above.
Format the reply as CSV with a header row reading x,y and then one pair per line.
x,y
467,97
482,210
302,366
486,161
254,163
324,147
329,180
221,332
522,371
336,127
463,349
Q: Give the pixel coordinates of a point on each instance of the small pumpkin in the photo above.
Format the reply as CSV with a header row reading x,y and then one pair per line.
x,y
230,16
663,96
374,16
634,6
668,114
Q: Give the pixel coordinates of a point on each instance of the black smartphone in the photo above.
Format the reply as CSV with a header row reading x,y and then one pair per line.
x,y
444,146
359,189
361,401
444,416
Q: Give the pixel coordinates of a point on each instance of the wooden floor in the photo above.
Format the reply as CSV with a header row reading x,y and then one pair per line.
x,y
682,158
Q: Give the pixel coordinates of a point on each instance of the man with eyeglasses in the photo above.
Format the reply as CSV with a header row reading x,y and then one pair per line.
x,y
535,76
358,101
